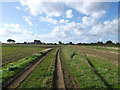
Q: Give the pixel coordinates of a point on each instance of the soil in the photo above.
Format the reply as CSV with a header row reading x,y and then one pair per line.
x,y
59,73
109,56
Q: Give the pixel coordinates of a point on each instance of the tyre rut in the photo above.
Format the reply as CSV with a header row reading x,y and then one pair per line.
x,y
58,79
109,86
17,81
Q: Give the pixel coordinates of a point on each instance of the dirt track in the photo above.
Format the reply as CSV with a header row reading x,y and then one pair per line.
x,y
59,79
16,83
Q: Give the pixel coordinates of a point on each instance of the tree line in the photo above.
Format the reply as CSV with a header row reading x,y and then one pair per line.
x,y
109,42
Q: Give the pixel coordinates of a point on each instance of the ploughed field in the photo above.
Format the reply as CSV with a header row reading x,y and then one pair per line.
x,y
69,66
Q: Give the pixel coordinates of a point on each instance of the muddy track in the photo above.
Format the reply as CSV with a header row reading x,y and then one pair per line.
x,y
20,78
109,86
58,79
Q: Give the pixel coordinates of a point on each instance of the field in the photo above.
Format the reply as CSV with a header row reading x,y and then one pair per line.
x,y
14,52
65,66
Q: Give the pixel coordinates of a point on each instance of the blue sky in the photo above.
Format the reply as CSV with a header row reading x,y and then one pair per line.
x,y
53,22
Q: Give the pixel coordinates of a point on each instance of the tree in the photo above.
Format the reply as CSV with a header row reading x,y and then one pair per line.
x,y
13,41
60,42
70,43
10,40
79,43
37,42
25,42
99,43
109,42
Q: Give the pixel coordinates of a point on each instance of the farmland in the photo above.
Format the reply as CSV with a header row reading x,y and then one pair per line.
x,y
105,48
13,52
65,66
85,74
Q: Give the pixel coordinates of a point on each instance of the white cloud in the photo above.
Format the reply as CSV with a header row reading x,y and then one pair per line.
x,y
65,32
63,21
69,13
27,19
79,32
15,31
18,8
89,21
94,9
48,19
106,28
38,7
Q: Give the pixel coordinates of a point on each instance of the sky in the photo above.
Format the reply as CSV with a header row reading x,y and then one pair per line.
x,y
51,22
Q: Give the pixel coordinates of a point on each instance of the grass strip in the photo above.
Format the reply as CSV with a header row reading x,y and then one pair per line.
x,y
10,70
106,69
12,53
79,69
42,76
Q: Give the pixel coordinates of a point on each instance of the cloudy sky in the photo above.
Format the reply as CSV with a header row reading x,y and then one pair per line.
x,y
59,21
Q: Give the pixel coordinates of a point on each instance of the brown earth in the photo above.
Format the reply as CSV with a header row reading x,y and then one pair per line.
x,y
60,79
106,55
70,82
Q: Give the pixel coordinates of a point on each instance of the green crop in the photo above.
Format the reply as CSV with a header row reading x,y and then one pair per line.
x,y
79,69
42,76
10,70
108,70
83,72
15,52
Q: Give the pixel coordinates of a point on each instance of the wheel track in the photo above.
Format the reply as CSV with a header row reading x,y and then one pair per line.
x,y
16,82
58,79
109,86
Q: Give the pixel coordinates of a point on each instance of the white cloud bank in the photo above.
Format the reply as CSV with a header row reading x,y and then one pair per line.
x,y
89,30
94,9
78,32
16,32
106,28
70,31
38,7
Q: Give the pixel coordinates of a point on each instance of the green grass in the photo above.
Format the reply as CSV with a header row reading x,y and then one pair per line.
x,y
108,70
79,69
12,69
42,76
15,52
